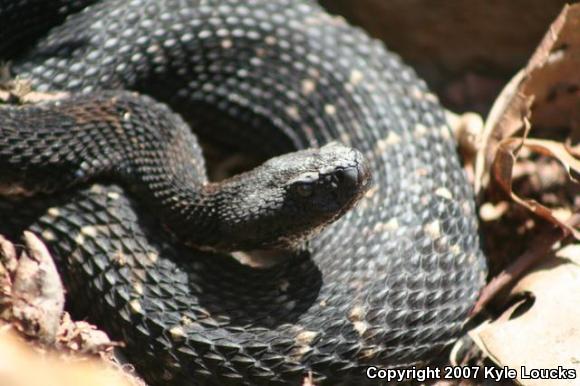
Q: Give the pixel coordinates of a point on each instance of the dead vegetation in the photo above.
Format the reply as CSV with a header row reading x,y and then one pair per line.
x,y
35,332
526,175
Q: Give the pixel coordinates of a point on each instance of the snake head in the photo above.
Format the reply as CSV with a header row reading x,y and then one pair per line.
x,y
291,197
334,179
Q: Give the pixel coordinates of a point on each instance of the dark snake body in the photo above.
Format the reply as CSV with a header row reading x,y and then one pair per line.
x,y
388,284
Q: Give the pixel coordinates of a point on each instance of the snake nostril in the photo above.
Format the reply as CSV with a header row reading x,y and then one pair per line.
x,y
348,176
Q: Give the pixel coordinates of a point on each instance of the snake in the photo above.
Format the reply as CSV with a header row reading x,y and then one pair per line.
x,y
360,190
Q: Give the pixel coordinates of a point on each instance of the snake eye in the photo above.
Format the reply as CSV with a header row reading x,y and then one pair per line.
x,y
304,184
304,189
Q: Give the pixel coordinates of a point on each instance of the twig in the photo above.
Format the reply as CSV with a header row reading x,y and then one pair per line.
x,y
539,248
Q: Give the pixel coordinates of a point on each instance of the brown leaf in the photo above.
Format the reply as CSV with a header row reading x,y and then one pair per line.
x,y
505,119
558,150
503,165
542,331
549,87
523,104
37,292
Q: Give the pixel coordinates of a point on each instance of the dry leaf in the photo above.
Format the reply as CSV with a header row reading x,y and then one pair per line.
x,y
505,119
523,104
503,166
544,336
558,150
35,291
545,94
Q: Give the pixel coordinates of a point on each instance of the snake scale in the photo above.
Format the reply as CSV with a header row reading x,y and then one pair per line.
x,y
389,283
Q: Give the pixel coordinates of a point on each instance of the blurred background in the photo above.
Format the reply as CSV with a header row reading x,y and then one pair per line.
x,y
465,50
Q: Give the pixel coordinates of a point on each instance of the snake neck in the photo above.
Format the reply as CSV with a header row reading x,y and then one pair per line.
x,y
212,216
190,212
276,205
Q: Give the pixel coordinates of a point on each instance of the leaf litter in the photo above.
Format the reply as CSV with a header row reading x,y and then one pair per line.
x,y
527,176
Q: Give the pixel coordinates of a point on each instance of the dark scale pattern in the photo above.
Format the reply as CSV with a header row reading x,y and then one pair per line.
x,y
390,283
133,140
24,20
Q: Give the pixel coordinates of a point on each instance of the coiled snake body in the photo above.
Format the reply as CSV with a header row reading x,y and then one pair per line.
x,y
389,283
